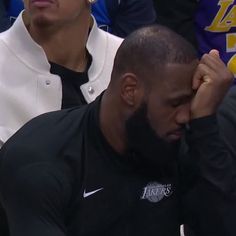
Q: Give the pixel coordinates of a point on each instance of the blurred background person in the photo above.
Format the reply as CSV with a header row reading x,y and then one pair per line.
x,y
4,20
206,24
121,17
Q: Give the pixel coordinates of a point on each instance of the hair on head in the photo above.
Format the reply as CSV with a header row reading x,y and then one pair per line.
x,y
149,49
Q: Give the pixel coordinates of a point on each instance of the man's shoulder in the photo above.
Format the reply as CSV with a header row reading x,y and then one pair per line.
x,y
47,133
51,142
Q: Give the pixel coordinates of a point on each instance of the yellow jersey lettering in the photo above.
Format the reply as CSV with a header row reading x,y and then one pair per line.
x,y
232,65
230,20
231,42
223,22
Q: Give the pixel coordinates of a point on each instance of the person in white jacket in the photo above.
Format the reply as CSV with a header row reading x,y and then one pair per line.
x,y
53,57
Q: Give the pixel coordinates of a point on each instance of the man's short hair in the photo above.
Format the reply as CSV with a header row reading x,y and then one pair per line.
x,y
149,49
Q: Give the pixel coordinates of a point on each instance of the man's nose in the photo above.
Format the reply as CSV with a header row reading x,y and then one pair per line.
x,y
183,115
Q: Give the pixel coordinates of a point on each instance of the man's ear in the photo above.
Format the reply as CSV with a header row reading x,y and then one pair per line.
x,y
131,90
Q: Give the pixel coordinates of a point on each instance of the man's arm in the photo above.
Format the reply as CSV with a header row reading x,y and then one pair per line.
x,y
227,121
210,197
34,197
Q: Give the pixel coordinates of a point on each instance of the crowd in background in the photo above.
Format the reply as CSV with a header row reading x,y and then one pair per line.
x,y
205,24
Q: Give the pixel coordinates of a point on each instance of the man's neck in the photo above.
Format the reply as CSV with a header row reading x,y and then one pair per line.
x,y
64,45
111,123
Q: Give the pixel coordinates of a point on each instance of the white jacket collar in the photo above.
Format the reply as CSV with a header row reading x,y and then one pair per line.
x,y
19,41
97,47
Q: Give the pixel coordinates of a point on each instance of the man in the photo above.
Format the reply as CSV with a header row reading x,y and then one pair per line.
x,y
53,57
123,17
111,167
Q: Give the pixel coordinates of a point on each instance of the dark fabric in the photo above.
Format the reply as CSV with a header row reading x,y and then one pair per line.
x,y
4,20
131,15
6,3
179,16
211,213
59,176
227,120
121,17
4,24
72,96
4,230
71,82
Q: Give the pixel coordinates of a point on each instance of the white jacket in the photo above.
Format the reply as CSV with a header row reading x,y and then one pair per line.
x,y
28,89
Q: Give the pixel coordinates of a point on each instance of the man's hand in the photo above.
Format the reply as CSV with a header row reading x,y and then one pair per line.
x,y
211,81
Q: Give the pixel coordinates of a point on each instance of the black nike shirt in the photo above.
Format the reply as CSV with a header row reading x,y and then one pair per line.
x,y
71,97
60,177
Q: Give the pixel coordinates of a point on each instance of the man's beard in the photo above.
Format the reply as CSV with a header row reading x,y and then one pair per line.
x,y
146,149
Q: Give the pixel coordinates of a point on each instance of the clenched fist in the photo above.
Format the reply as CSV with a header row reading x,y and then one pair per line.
x,y
211,81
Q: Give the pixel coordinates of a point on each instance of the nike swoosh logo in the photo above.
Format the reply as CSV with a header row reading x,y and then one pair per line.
x,y
91,193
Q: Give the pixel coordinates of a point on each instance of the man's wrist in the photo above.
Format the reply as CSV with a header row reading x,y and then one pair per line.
x,y
202,113
203,126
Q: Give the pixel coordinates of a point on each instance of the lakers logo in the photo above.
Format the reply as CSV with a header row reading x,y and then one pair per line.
x,y
225,18
155,192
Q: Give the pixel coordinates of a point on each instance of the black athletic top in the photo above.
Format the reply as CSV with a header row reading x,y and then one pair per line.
x,y
60,177
71,96
218,214
227,120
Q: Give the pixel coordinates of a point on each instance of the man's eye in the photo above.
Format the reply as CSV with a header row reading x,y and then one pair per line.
x,y
176,103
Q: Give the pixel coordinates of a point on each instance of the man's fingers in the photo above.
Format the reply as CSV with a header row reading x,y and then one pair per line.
x,y
215,53
214,62
217,66
203,74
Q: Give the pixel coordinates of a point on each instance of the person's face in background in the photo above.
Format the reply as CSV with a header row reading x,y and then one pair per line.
x,y
61,12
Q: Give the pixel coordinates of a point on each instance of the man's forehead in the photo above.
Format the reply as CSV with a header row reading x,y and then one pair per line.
x,y
177,80
181,68
178,75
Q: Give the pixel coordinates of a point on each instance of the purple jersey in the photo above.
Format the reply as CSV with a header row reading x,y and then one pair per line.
x,y
216,28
